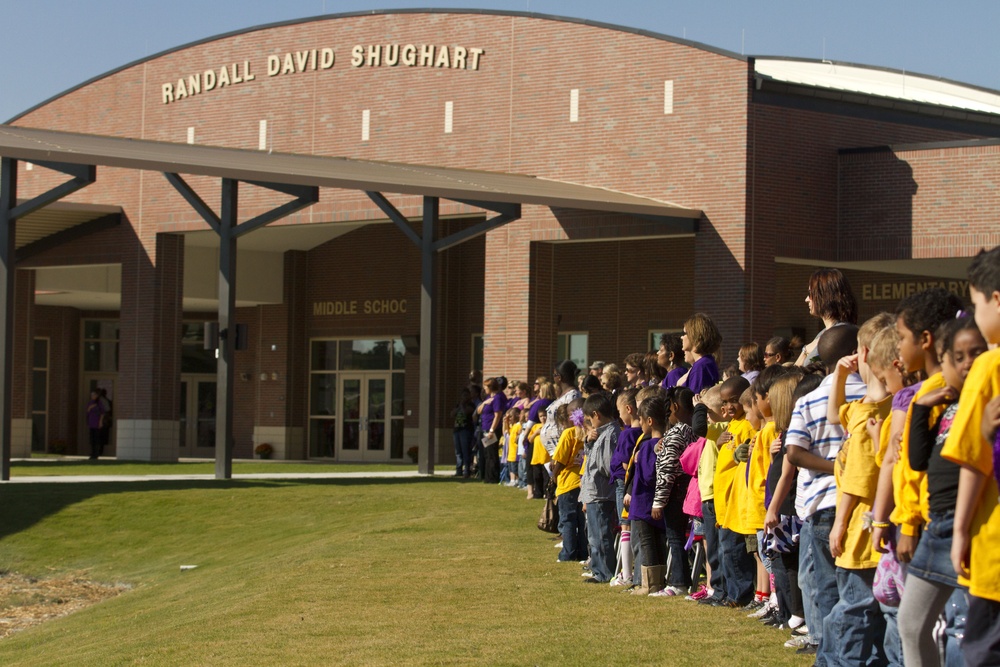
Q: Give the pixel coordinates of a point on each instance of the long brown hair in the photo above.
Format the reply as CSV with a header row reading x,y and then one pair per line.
x,y
832,296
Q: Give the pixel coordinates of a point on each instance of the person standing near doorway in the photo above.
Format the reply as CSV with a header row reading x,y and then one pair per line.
x,y
95,423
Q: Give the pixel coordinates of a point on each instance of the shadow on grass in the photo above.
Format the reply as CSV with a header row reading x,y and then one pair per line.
x,y
24,505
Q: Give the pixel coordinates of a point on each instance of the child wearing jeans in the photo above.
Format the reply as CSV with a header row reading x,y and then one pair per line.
x,y
735,561
855,625
627,437
972,445
567,466
931,579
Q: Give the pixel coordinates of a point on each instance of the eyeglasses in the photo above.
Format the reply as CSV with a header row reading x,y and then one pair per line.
x,y
631,370
768,355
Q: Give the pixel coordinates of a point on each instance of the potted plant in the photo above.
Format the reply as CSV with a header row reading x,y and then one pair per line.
x,y
263,450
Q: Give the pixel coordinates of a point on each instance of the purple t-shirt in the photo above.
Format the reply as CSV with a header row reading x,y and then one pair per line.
x,y
704,374
672,377
623,452
996,458
644,485
903,397
491,407
536,407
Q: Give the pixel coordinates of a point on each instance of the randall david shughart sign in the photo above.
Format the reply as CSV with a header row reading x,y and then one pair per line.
x,y
238,72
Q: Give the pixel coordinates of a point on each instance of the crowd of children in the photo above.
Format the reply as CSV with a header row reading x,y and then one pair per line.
x,y
847,492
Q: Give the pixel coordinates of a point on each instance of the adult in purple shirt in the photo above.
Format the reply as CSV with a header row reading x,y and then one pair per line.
x,y
701,340
491,415
670,357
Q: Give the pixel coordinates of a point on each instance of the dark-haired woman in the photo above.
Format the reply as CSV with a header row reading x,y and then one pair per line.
x,y
830,299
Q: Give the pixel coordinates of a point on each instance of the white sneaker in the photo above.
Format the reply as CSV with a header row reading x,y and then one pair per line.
x,y
558,545
620,581
798,642
762,612
587,574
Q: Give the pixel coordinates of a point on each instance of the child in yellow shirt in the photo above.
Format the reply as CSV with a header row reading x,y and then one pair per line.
x,y
971,444
567,467
737,564
856,622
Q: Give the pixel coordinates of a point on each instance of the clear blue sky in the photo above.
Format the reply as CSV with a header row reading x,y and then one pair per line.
x,y
48,46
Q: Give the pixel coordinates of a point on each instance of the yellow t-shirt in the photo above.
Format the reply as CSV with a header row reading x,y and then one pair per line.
x,y
912,509
539,455
515,433
760,460
966,446
728,506
709,457
569,452
857,474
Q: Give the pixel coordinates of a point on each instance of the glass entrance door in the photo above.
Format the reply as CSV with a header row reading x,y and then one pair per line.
x,y
197,413
363,425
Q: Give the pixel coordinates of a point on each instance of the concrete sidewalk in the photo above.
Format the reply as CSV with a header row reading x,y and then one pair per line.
x,y
75,479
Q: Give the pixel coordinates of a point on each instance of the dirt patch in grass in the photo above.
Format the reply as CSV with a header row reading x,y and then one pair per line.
x,y
26,601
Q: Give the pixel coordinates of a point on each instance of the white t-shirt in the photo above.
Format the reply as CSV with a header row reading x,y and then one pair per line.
x,y
810,430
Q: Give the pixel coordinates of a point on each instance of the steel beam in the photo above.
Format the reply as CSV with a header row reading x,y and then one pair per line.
x,y
192,198
8,201
83,175
227,330
428,368
478,229
393,214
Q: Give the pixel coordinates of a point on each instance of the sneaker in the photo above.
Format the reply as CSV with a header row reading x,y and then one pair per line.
x,y
761,612
731,604
798,642
558,545
700,594
800,630
754,605
712,600
660,594
808,649
768,617
587,573
620,581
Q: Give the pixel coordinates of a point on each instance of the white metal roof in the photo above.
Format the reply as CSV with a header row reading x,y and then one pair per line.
x,y
880,82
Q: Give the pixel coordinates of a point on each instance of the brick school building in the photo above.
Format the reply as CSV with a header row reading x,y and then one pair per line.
x,y
778,166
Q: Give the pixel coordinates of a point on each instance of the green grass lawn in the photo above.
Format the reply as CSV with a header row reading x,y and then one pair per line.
x,y
354,572
50,466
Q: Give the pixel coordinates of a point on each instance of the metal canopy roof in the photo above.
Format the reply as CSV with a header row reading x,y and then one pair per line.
x,y
59,217
329,172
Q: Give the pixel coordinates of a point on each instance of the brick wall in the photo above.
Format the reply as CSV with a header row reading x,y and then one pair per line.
x,y
919,202
765,177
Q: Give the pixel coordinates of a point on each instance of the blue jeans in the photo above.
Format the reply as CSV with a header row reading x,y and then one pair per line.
x,y
571,526
932,559
677,522
739,569
463,451
817,576
601,525
712,548
853,632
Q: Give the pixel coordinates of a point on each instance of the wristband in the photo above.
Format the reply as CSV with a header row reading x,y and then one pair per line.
x,y
880,524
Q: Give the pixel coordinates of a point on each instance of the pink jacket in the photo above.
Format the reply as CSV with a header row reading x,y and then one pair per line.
x,y
689,464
